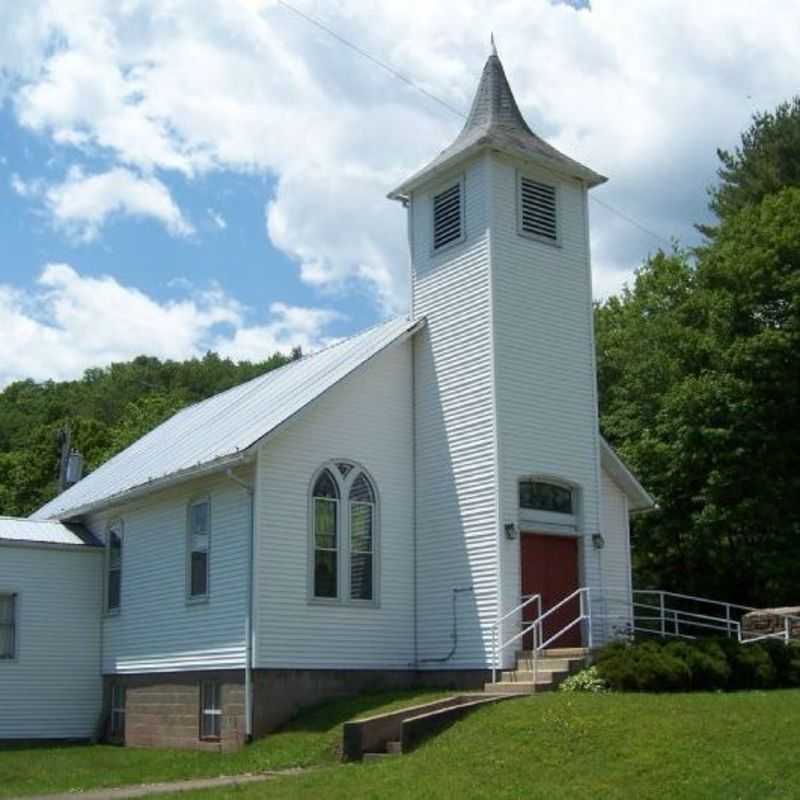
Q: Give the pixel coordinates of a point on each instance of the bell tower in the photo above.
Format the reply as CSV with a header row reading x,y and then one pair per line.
x,y
504,370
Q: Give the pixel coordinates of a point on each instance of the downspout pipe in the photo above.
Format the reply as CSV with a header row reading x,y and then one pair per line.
x,y
248,620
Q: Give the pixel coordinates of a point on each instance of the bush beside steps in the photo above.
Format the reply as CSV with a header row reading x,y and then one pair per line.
x,y
700,665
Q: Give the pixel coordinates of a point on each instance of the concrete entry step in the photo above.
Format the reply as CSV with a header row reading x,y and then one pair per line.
x,y
566,652
542,676
518,687
547,664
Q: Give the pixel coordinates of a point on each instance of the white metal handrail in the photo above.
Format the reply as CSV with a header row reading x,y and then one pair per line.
x,y
680,623
583,614
496,630
731,625
669,621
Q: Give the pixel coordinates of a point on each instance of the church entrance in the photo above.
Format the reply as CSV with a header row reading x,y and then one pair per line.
x,y
549,566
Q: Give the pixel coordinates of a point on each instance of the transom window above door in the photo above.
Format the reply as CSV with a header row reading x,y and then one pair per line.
x,y
541,496
344,534
548,504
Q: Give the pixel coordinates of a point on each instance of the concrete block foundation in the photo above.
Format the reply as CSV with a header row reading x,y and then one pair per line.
x,y
163,709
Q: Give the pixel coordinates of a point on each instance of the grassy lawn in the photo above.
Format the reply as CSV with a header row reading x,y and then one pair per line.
x,y
313,739
730,746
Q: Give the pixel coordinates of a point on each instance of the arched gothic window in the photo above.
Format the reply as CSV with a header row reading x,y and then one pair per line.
x,y
344,519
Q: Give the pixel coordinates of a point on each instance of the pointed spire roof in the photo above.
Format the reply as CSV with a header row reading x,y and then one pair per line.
x,y
495,121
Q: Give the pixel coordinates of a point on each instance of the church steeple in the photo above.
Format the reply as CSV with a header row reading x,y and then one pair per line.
x,y
495,122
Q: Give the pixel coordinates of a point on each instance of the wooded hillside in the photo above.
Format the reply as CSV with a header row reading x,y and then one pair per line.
x,y
107,409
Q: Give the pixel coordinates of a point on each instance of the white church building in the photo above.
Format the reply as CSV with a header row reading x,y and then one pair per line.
x,y
371,515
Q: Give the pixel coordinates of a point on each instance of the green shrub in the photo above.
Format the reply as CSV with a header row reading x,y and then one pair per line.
x,y
645,667
587,680
786,660
707,664
698,665
752,668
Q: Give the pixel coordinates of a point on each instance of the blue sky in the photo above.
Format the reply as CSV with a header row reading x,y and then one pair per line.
x,y
178,176
229,246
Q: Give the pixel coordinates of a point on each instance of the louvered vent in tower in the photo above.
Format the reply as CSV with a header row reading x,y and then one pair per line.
x,y
537,204
447,216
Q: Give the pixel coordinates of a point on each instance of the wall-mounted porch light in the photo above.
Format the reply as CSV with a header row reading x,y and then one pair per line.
x,y
598,540
511,530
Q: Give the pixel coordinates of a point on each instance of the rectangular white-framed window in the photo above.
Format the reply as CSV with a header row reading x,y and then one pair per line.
x,y
210,710
448,215
114,546
537,209
117,727
8,626
198,549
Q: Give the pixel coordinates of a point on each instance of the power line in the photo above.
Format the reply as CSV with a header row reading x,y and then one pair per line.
x,y
399,75
369,57
630,220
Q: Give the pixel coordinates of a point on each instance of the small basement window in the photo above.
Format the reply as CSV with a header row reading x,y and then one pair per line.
x,y
117,711
210,711
538,209
448,216
8,625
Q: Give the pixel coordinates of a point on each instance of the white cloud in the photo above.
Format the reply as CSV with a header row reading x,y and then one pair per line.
x,y
643,92
69,322
83,203
25,188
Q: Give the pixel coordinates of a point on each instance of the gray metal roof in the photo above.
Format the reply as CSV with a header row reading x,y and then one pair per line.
x,y
218,432
495,121
30,531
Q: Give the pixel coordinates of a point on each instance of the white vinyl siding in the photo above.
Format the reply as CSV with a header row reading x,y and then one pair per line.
x,y
546,400
157,630
454,437
616,557
52,687
366,420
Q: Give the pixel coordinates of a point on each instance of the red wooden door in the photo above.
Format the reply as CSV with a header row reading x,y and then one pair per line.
x,y
550,568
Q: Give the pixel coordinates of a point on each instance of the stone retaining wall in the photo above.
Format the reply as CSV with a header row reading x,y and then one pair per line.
x,y
767,621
